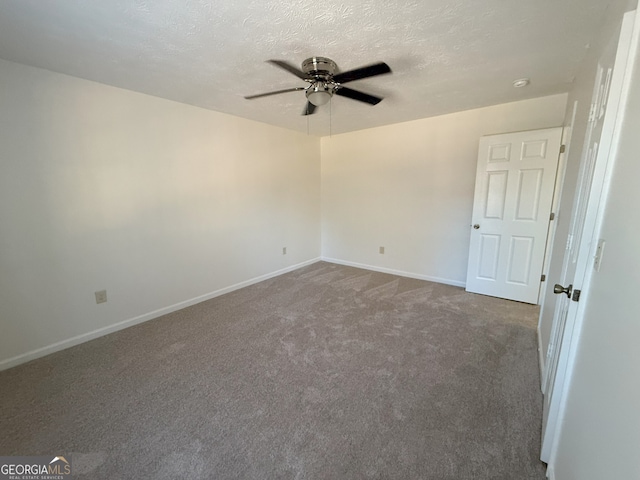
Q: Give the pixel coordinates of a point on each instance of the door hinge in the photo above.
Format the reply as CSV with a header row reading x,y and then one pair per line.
x,y
543,277
563,148
592,112
552,216
576,296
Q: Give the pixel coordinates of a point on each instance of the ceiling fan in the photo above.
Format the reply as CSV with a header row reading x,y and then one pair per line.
x,y
324,82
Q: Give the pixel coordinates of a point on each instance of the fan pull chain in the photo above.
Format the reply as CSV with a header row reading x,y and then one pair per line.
x,y
330,102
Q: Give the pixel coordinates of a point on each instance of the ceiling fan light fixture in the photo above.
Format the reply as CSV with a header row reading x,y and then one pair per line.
x,y
318,94
319,98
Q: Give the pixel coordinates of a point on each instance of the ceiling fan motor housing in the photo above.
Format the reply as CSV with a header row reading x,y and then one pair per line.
x,y
319,66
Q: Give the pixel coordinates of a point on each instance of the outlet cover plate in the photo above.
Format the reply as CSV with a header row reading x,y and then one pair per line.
x,y
101,296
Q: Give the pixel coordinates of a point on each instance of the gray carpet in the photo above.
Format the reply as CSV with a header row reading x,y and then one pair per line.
x,y
328,372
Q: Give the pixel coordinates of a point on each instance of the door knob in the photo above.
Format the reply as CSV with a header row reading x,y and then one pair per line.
x,y
476,226
557,289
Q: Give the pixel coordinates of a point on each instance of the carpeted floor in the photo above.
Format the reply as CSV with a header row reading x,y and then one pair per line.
x,y
328,372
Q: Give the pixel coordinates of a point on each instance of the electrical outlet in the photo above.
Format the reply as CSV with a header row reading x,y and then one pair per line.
x,y
101,296
284,250
381,250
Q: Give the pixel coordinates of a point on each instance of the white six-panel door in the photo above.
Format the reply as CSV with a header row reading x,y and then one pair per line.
x,y
515,181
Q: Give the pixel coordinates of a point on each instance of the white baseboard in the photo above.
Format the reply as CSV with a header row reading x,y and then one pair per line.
x,y
550,474
400,273
541,358
85,337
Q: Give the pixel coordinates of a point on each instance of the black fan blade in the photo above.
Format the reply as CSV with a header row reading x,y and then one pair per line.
x,y
309,109
356,95
290,68
362,72
295,89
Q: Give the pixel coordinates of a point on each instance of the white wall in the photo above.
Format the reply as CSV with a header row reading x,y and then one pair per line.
x,y
155,201
600,436
409,187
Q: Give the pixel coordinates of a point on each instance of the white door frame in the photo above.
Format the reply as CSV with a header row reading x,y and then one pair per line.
x,y
630,33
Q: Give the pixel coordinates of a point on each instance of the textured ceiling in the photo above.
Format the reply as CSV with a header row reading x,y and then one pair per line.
x,y
446,55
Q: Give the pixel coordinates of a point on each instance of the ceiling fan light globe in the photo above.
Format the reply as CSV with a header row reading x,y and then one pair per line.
x,y
319,97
